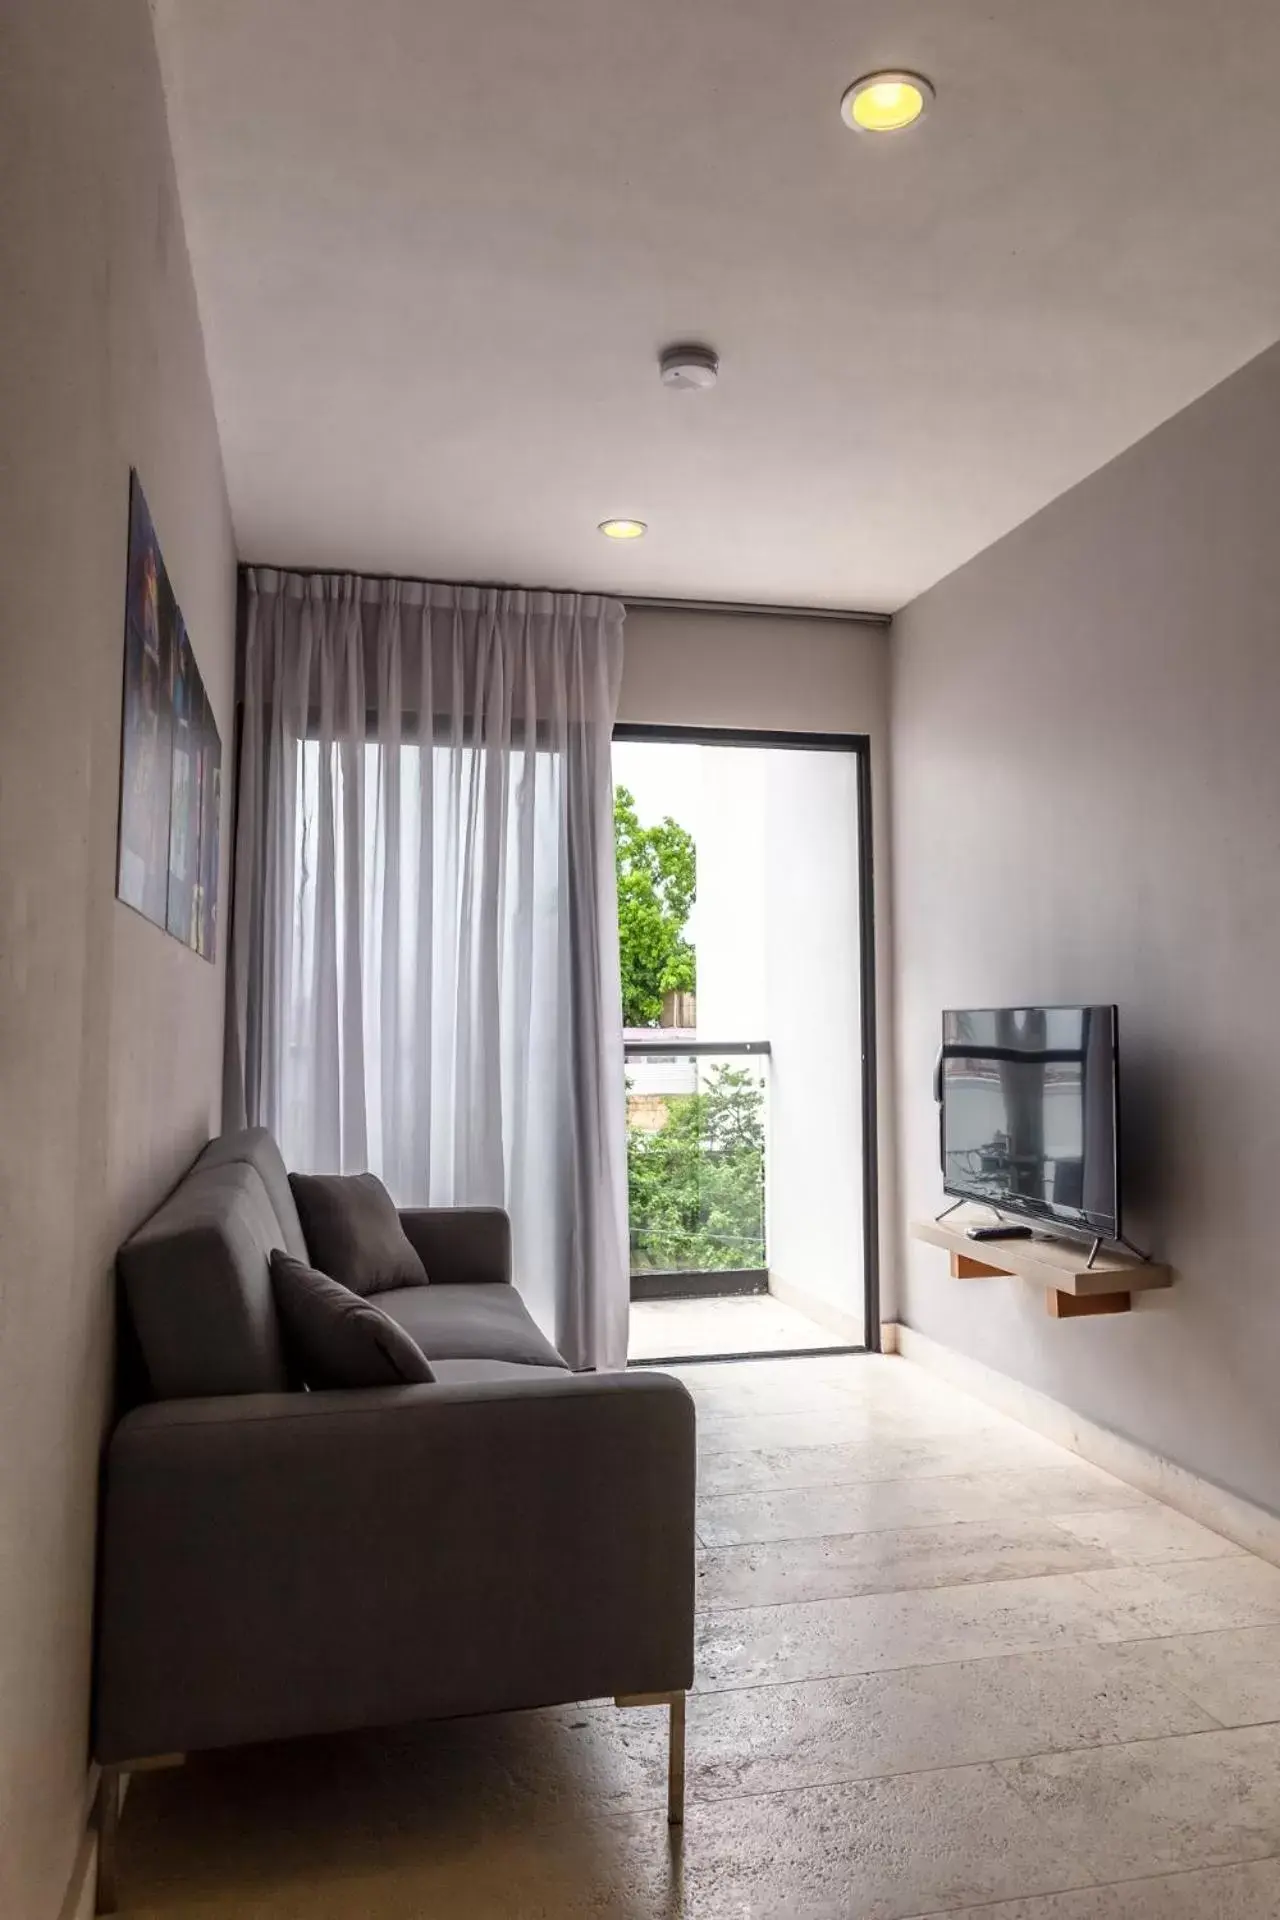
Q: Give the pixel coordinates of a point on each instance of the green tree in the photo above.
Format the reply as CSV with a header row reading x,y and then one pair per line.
x,y
696,1184
657,885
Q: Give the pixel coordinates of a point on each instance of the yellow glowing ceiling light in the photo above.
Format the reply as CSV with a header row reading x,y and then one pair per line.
x,y
885,102
623,529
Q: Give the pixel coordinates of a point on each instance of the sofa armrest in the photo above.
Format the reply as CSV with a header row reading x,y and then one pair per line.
x,y
460,1243
282,1564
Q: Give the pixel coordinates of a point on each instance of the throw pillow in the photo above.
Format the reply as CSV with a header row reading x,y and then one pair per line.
x,y
334,1338
353,1232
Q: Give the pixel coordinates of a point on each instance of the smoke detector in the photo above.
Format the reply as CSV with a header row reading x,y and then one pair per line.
x,y
691,368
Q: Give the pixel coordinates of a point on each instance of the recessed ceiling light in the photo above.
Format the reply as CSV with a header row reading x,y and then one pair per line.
x,y
885,102
623,529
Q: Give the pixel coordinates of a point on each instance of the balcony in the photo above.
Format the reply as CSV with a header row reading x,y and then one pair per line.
x,y
698,1167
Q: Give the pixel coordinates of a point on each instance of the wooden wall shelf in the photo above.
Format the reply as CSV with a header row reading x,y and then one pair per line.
x,y
1072,1287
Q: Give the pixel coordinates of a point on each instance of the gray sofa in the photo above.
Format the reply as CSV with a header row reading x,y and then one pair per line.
x,y
277,1563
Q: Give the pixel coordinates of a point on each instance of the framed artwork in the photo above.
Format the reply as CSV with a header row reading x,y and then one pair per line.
x,y
210,839
170,755
146,747
184,812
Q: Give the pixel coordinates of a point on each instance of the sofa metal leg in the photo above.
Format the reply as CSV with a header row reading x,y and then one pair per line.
x,y
108,1840
674,1703
675,1763
110,1790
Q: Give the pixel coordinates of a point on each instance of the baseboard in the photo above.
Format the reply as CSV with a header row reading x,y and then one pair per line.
x,y
847,1327
1229,1514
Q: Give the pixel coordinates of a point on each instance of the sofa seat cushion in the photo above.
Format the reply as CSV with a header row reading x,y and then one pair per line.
x,y
254,1147
478,1373
472,1321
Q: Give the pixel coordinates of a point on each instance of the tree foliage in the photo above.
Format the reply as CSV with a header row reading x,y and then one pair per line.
x,y
697,1183
657,885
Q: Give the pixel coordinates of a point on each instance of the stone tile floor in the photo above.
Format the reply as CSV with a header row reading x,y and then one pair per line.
x,y
942,1666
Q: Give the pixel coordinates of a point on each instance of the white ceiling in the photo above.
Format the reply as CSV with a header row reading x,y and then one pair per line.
x,y
439,243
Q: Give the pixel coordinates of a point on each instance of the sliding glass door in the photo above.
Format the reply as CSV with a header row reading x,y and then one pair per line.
x,y
746,941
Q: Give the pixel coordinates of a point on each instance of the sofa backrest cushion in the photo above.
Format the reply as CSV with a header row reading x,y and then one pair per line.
x,y
257,1149
198,1283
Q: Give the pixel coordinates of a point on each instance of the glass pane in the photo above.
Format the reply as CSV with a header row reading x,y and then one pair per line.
x,y
696,1132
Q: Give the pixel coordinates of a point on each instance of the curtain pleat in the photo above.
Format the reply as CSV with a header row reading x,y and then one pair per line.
x,y
424,966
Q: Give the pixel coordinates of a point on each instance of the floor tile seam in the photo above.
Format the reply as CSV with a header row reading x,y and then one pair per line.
x,y
913,1666
1038,1463
1195,1560
1025,1653
965,1586
1124,1637
1192,1633
1229,1550
997,1760
860,1533
910,1666
931,1479
877,1779
872,1389
1206,1633
853,1533
1092,1885
1110,1563
896,1479
1006,1770
964,1473
712,1449
1003,1653
885,1593
924,1526
1226,1726
887,1409
1000,1763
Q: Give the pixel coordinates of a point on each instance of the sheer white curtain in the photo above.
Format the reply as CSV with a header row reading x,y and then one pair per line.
x,y
424,974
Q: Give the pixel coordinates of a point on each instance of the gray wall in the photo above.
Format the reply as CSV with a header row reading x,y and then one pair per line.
x,y
110,1033
1086,787
795,674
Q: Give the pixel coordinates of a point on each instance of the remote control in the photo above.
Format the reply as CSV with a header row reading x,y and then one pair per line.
x,y
998,1233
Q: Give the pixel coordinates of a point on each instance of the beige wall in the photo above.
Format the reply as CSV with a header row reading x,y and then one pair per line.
x,y
692,669
110,1033
796,674
1086,779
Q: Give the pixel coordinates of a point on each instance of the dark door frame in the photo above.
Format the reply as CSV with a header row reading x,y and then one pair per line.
x,y
858,744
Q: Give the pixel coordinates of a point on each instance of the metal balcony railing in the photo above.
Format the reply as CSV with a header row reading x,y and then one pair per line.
x,y
697,1132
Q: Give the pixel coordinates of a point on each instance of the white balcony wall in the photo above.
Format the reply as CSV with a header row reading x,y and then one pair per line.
x,y
732,910
811,949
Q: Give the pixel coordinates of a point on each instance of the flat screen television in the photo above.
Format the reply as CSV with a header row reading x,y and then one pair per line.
x,y
1028,1099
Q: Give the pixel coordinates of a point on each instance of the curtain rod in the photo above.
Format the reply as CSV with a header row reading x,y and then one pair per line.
x,y
859,616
